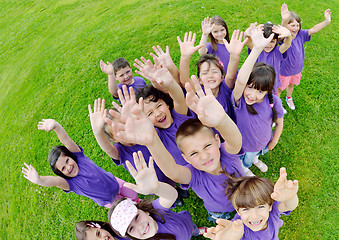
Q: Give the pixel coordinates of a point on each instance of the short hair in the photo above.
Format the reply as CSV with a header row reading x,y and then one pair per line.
x,y
82,226
217,20
54,155
209,58
120,63
249,192
268,31
189,128
152,94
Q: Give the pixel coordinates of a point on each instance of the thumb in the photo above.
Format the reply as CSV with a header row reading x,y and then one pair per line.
x,y
131,186
274,195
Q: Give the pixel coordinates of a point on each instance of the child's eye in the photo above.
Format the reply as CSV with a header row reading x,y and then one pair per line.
x,y
192,154
130,229
62,169
149,114
67,160
208,145
137,216
159,105
262,206
98,233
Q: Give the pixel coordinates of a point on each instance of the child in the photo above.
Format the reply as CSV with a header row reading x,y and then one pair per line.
x,y
76,172
150,220
256,107
258,214
216,30
292,66
210,70
122,72
272,54
93,230
208,159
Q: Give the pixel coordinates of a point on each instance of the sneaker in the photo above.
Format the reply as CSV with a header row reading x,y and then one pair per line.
x,y
248,172
178,203
182,193
202,230
285,111
262,166
290,103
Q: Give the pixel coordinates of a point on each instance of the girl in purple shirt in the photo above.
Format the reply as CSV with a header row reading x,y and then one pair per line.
x,y
256,107
93,230
292,66
258,214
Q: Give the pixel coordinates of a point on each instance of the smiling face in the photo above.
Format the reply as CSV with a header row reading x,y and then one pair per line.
x,y
143,226
271,45
158,112
202,150
210,75
67,166
294,28
219,33
124,76
98,234
253,95
255,218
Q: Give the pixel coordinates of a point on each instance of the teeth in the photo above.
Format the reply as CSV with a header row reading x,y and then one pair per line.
x,y
255,223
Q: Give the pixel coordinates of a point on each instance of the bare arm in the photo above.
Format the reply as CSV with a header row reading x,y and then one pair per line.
x,y
321,25
112,83
206,30
283,33
277,133
285,14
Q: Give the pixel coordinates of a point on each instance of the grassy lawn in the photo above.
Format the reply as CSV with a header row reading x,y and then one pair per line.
x,y
49,68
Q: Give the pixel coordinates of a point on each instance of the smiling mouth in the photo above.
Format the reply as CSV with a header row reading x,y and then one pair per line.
x,y
256,223
208,163
146,229
162,120
72,168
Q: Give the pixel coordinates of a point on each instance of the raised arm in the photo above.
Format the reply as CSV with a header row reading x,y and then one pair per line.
x,y
147,181
277,133
259,43
226,230
46,181
212,114
51,124
112,83
234,48
285,14
285,191
321,25
187,49
206,27
249,43
97,118
283,33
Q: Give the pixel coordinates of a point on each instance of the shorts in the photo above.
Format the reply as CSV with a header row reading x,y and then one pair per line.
x,y
285,81
213,216
248,157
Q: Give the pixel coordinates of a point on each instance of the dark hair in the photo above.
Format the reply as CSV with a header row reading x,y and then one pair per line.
x,y
119,63
152,94
189,128
144,205
249,192
53,156
82,226
268,31
217,20
293,16
262,78
209,58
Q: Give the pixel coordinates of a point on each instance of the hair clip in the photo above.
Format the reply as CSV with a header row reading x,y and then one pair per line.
x,y
94,225
220,62
271,105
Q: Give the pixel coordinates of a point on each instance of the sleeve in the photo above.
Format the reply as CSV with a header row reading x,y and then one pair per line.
x,y
194,173
305,36
275,209
209,48
156,205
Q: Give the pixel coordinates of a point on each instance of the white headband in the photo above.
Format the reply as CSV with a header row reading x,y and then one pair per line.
x,y
122,215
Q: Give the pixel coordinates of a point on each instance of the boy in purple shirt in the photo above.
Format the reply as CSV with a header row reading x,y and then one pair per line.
x,y
292,66
258,214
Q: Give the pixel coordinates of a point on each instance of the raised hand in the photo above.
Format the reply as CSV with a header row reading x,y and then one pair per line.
x,y
145,177
98,115
145,68
258,39
204,104
206,26
162,57
281,31
47,124
236,45
106,68
187,48
30,173
328,15
284,189
284,12
226,230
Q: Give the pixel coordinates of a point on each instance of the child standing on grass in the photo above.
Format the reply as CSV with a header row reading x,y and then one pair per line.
x,y
207,158
122,72
256,106
76,172
292,66
146,219
258,214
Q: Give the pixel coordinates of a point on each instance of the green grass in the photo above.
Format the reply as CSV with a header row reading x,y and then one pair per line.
x,y
49,68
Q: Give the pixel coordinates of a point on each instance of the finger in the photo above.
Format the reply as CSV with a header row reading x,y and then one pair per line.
x,y
167,49
190,36
153,55
194,37
142,160
131,186
89,109
131,169
185,37
156,50
151,163
179,40
126,93
102,105
137,163
95,105
132,94
274,195
121,97
143,60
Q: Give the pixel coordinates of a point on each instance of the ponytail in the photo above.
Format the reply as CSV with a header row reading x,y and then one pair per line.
x,y
274,112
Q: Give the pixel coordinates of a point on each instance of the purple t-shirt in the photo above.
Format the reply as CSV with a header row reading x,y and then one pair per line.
x,y
139,82
93,181
221,53
179,224
167,136
224,98
295,55
126,154
256,130
273,224
273,58
211,188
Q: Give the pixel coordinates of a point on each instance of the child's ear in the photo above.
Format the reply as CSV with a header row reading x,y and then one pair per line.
x,y
217,138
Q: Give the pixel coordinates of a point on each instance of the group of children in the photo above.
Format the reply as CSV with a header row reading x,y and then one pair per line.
x,y
202,132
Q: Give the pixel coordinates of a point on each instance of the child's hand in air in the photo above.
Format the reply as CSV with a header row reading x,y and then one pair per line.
x,y
204,104
187,48
236,45
206,26
47,124
145,177
162,57
106,68
226,230
30,173
284,189
284,12
281,31
328,15
248,30
97,117
258,39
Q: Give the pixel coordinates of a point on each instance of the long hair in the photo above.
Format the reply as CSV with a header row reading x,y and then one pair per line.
x,y
53,156
146,206
262,78
82,226
217,20
293,16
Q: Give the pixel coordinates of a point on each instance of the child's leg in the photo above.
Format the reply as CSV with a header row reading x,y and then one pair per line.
x,y
278,92
260,164
289,90
126,192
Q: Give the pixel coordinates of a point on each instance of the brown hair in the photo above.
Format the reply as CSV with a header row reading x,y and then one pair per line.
x,y
82,226
119,63
293,16
209,58
217,20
